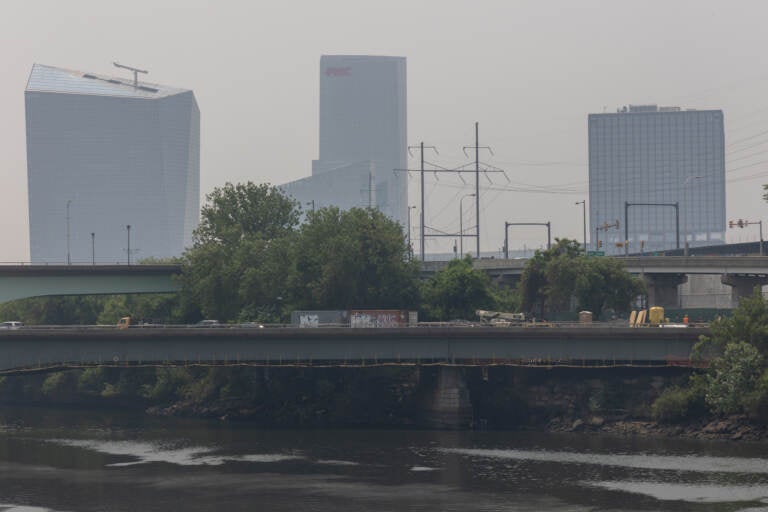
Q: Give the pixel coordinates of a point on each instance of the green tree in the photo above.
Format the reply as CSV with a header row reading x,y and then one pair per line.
x,y
732,377
235,212
749,323
553,277
83,310
352,259
457,291
241,257
736,380
603,283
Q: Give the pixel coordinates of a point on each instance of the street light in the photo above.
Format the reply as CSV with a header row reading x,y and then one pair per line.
x,y
461,223
685,210
583,203
128,251
69,259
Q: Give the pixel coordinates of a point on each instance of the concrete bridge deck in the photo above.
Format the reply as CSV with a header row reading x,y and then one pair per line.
x,y
742,265
38,348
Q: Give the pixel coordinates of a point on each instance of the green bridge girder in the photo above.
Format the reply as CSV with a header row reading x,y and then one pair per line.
x,y
22,281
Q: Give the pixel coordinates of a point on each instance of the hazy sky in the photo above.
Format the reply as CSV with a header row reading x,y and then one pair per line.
x,y
528,71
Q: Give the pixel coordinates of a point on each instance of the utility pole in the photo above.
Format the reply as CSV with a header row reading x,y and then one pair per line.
x,y
69,258
477,147
371,190
128,251
458,172
547,224
371,170
93,248
583,204
477,186
421,171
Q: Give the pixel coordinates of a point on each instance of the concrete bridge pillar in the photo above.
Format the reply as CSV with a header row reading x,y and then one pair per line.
x,y
743,285
662,289
450,407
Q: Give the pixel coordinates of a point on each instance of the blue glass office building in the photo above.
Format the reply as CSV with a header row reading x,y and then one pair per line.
x,y
662,155
104,153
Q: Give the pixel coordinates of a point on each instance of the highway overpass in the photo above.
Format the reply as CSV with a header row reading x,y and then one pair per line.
x,y
21,281
662,275
39,349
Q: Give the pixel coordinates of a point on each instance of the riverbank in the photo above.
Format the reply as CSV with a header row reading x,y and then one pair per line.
x,y
733,428
610,401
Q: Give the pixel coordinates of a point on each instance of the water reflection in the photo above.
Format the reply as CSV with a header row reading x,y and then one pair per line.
x,y
73,461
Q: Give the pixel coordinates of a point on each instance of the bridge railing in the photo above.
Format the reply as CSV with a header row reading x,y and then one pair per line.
x,y
441,325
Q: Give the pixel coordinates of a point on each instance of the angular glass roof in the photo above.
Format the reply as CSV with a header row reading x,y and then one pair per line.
x,y
51,79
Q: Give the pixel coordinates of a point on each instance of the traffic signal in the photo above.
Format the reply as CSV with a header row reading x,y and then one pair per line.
x,y
599,244
741,223
730,223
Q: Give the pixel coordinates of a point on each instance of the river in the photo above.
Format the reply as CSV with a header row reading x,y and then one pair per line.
x,y
77,461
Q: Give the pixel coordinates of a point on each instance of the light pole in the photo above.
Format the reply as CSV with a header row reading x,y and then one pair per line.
x,y
93,248
69,258
685,211
312,202
461,223
583,204
128,251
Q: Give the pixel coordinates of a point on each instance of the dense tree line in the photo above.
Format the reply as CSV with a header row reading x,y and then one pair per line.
x,y
257,256
735,375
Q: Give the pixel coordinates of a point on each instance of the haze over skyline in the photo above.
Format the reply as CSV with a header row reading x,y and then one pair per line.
x,y
529,72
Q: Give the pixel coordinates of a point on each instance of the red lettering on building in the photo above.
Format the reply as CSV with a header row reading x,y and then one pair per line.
x,y
338,71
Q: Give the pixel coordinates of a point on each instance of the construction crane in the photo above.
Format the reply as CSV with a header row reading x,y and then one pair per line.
x,y
135,72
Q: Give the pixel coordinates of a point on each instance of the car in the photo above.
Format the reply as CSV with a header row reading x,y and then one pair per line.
x,y
12,325
208,323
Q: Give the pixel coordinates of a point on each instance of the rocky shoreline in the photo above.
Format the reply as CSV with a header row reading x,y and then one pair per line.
x,y
732,428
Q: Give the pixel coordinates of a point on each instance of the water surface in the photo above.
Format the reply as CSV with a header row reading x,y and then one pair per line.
x,y
78,460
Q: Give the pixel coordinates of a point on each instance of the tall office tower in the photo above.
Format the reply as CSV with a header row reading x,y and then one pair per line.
x,y
105,153
362,125
653,158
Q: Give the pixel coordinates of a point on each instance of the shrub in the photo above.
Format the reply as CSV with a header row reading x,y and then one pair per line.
x,y
732,377
91,381
677,404
58,384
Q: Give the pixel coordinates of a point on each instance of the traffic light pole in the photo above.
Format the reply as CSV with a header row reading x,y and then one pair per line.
x,y
744,223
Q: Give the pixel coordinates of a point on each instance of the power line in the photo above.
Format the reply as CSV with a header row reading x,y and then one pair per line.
x,y
457,171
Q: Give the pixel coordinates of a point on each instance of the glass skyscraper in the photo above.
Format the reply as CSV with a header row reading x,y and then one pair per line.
x,y
105,153
363,136
652,158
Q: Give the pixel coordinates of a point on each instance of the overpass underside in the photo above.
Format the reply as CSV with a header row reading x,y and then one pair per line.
x,y
41,350
25,281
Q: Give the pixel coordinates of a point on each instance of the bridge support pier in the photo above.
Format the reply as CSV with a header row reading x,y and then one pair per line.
x,y
743,285
662,289
450,407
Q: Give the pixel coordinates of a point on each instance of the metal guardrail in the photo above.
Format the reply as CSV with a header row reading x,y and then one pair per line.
x,y
443,325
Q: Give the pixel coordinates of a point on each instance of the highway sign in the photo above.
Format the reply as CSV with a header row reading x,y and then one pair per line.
x,y
595,253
